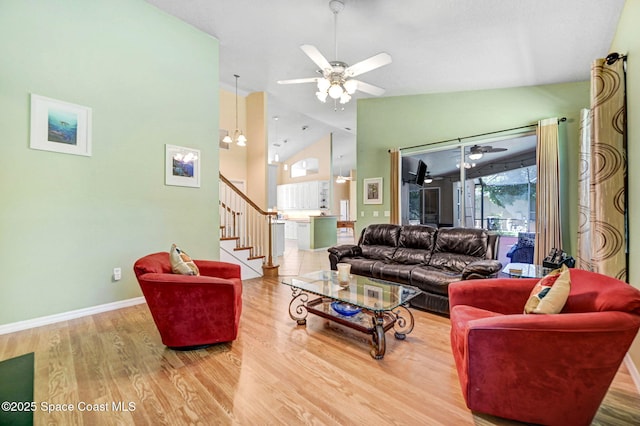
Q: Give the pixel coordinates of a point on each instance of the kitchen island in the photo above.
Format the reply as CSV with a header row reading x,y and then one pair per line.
x,y
318,232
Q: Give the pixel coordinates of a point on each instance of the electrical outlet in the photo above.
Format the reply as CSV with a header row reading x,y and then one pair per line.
x,y
387,213
375,213
117,274
362,213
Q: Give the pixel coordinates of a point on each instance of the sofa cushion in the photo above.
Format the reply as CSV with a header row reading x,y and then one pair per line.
x,y
382,234
181,263
361,265
417,236
465,241
379,241
549,294
433,280
452,262
384,253
415,245
411,256
393,272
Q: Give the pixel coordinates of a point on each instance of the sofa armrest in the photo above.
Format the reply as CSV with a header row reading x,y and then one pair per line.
x,y
481,269
503,295
345,250
336,253
214,268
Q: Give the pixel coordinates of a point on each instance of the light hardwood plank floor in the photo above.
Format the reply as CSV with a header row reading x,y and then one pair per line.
x,y
275,372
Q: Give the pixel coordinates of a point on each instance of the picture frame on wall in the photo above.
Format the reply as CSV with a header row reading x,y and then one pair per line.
x,y
372,191
60,126
182,166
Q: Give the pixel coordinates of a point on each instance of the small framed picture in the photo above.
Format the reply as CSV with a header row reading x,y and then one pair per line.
x,y
182,166
60,126
373,191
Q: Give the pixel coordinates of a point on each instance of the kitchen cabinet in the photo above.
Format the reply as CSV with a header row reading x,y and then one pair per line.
x,y
290,229
312,195
304,235
277,238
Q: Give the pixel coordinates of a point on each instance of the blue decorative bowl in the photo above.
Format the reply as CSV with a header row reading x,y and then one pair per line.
x,y
345,309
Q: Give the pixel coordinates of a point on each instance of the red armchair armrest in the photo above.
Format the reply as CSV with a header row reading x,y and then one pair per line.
x,y
502,295
214,268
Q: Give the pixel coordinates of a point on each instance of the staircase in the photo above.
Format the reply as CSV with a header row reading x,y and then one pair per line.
x,y
246,236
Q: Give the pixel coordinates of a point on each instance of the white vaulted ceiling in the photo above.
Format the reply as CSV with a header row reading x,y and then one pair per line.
x,y
436,46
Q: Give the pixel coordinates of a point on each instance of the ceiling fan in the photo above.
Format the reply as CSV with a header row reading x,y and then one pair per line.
x,y
336,81
340,178
476,151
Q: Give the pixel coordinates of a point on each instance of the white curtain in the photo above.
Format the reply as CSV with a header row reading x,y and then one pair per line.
x,y
548,226
583,256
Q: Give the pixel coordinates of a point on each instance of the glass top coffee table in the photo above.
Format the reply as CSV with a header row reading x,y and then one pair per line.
x,y
369,305
525,270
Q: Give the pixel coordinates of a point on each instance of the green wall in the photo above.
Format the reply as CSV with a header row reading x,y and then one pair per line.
x,y
66,221
405,121
627,41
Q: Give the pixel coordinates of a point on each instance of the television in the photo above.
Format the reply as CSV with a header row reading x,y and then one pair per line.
x,y
421,173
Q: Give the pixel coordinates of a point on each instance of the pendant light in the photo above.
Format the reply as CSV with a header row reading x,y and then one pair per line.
x,y
239,137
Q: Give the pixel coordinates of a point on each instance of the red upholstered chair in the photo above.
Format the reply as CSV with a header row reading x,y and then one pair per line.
x,y
543,369
191,311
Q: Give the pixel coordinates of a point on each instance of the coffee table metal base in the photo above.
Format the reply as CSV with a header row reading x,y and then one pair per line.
x,y
375,323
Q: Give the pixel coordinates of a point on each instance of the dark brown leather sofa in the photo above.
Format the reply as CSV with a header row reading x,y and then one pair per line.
x,y
421,256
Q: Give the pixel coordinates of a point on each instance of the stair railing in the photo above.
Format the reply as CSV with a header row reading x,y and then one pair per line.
x,y
242,220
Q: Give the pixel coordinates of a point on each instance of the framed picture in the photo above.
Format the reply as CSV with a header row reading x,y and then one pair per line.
x,y
373,191
182,166
60,126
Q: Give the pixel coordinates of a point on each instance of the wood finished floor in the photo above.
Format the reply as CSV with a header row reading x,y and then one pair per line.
x,y
275,372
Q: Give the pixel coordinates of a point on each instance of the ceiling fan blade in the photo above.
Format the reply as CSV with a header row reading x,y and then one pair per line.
x,y
492,149
369,88
318,58
369,64
299,80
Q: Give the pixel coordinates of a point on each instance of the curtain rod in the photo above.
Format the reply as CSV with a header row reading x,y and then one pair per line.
x,y
560,120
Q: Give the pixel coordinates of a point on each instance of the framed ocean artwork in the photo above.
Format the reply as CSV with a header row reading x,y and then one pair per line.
x,y
60,126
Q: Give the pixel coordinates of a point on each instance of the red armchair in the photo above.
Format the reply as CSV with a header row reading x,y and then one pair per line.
x,y
191,311
543,369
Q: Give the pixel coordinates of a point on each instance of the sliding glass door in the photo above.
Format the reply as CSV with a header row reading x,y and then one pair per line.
x,y
481,184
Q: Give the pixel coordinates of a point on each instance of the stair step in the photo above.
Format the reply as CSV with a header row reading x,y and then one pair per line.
x,y
255,257
243,248
229,238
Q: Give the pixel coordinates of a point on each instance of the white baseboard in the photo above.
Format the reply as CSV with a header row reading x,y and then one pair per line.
x,y
64,316
633,371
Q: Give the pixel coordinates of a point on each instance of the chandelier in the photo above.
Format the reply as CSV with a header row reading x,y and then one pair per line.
x,y
239,137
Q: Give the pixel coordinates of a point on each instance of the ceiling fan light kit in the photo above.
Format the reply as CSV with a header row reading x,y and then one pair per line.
x,y
336,81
